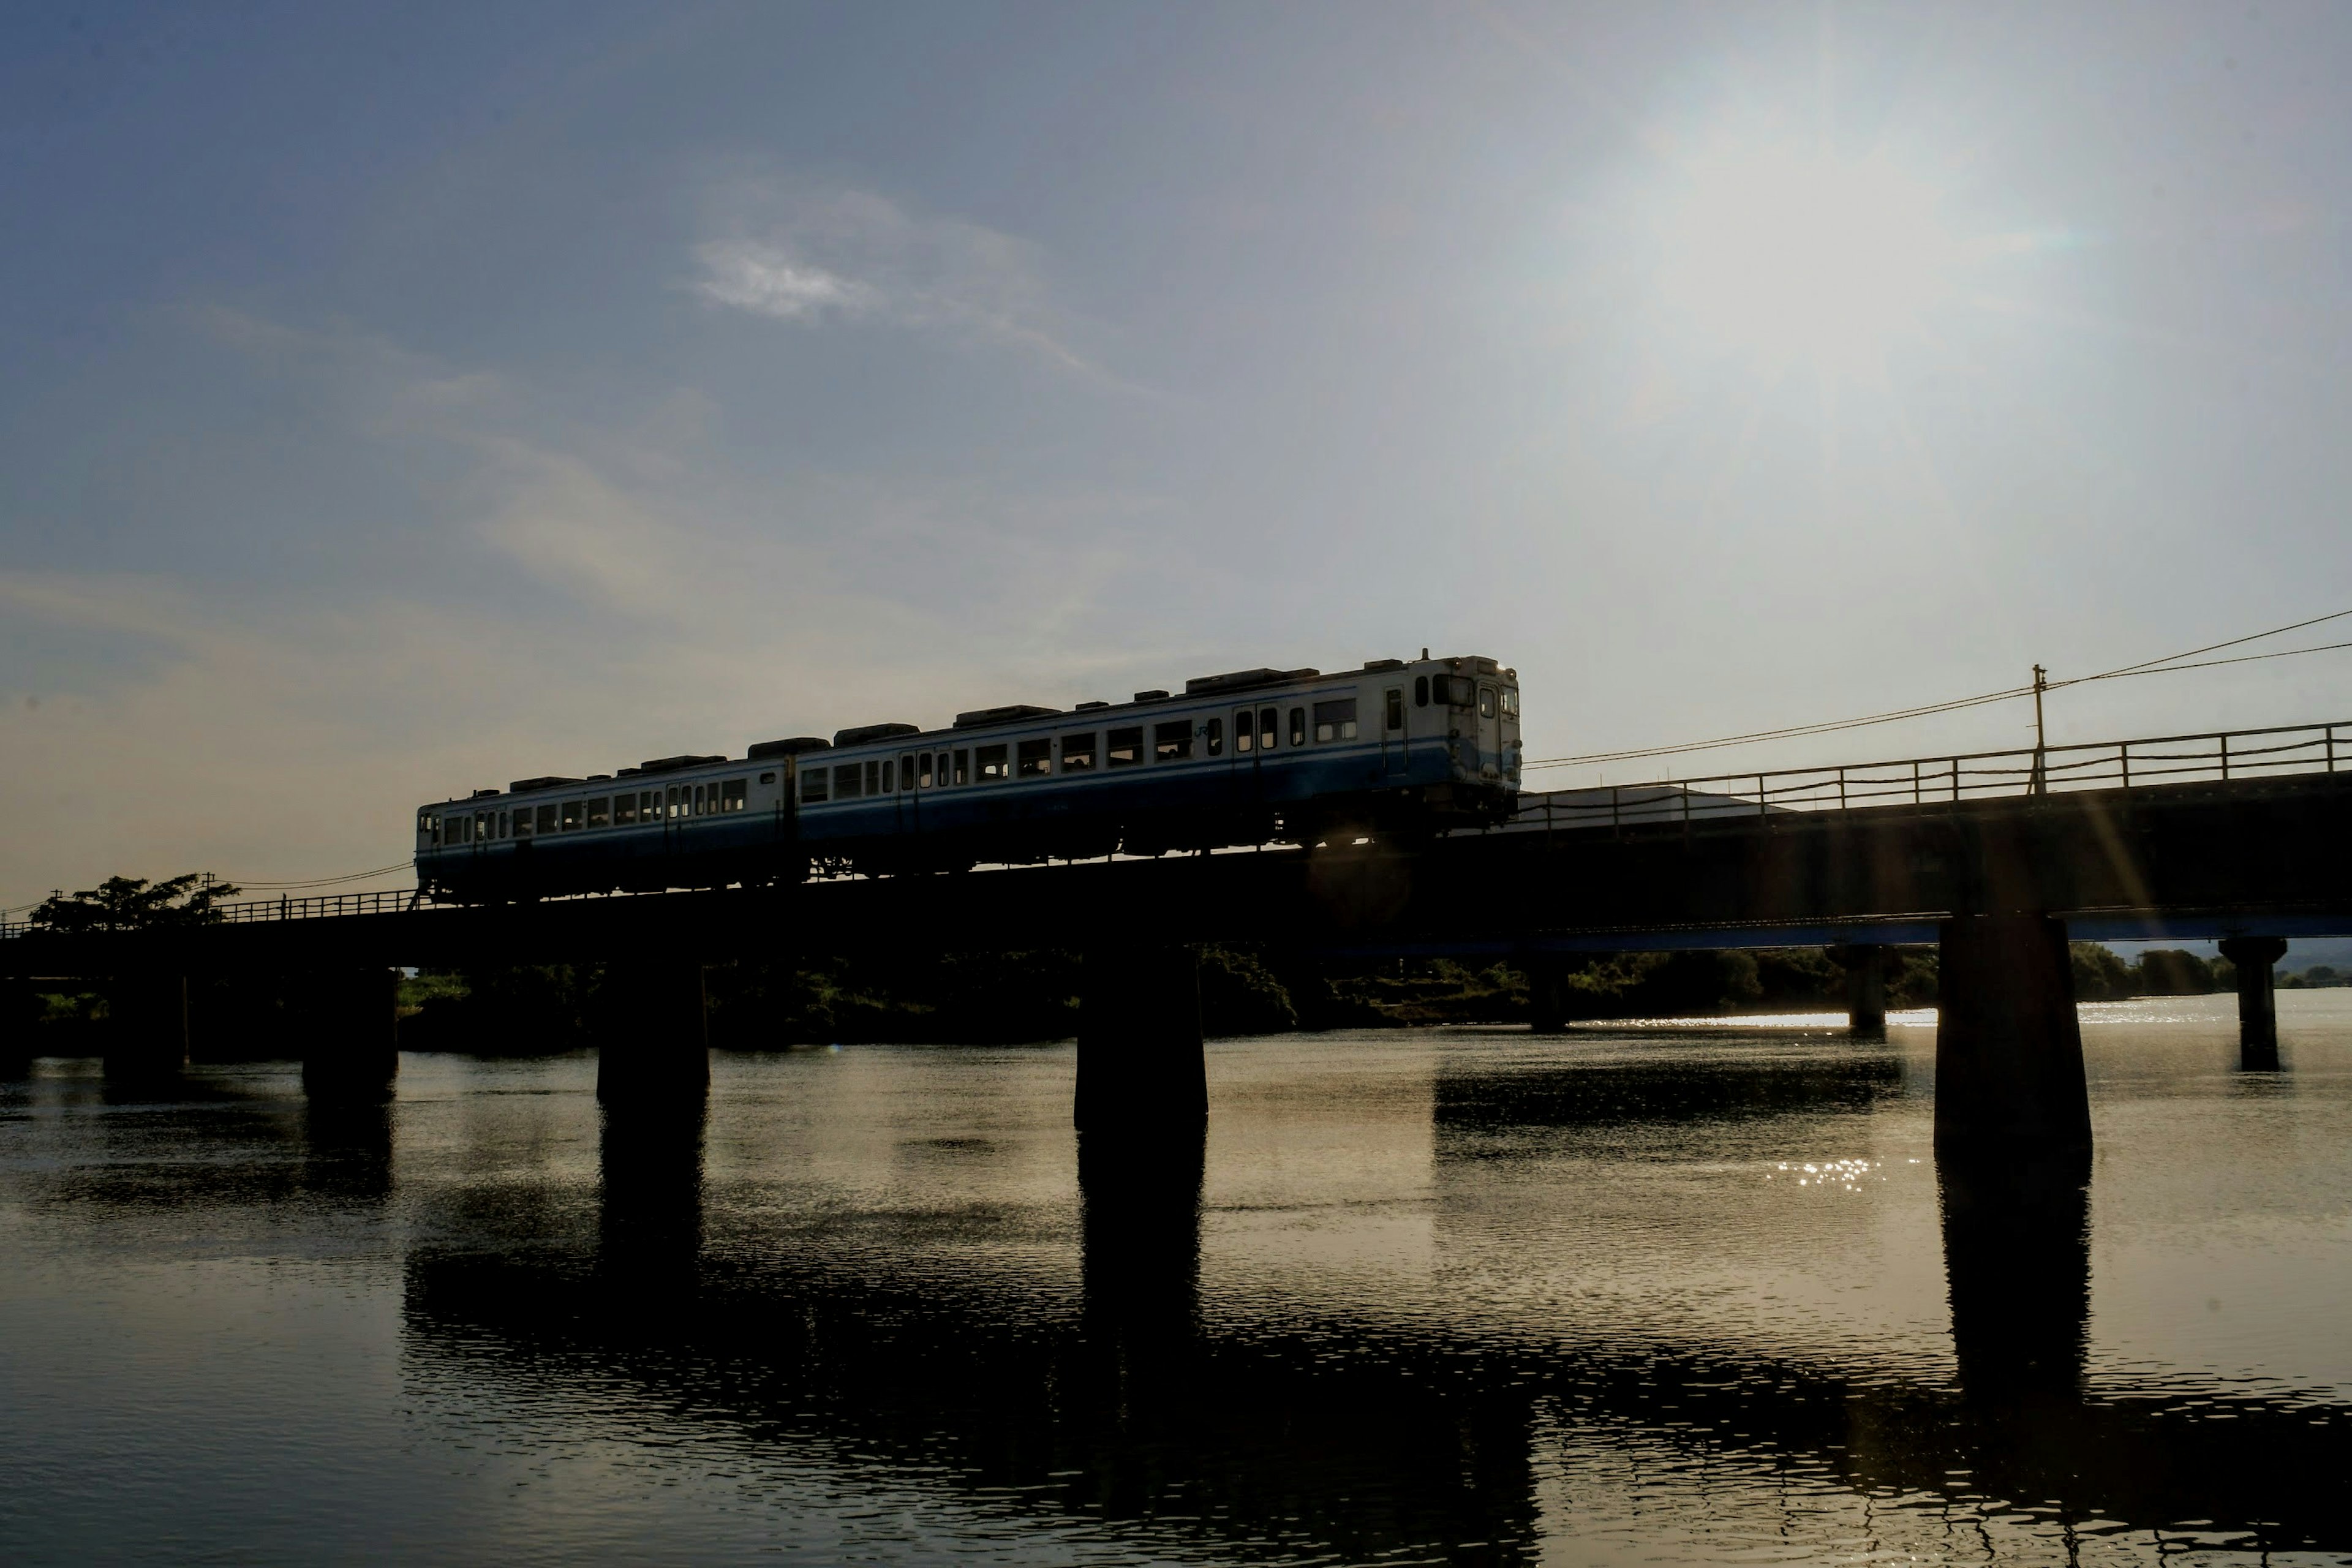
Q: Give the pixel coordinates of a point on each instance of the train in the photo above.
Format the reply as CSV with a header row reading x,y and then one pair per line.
x,y
1397,748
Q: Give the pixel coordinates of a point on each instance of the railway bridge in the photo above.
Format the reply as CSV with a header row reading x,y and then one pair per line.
x,y
1997,858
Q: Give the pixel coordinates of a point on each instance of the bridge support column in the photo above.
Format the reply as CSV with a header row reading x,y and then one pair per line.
x,y
2257,998
147,1026
2009,1050
1865,987
655,1042
20,1017
1140,1061
1548,995
348,1022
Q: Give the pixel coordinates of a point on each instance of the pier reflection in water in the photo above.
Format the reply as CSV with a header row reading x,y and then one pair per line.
x,y
1666,1295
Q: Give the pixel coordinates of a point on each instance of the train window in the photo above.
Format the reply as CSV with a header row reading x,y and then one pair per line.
x,y
963,766
733,793
1126,747
624,810
503,824
1421,692
1267,719
1035,759
1298,726
923,771
571,815
697,807
847,781
767,778
1510,703
453,830
1171,741
649,806
426,823
873,777
889,777
523,823
991,763
813,785
669,804
1078,752
546,823
1244,725
1396,718
600,813
1336,719
1454,691
905,773
1216,737
485,823
1485,702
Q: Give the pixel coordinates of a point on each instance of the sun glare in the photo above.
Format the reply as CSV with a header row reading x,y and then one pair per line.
x,y
1797,259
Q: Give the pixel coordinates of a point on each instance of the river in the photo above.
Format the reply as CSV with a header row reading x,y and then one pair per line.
x,y
1667,1292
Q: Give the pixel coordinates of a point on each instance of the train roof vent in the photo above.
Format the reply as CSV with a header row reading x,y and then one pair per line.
x,y
671,764
544,781
1377,665
1242,679
865,733
1153,696
484,794
980,718
1088,707
762,749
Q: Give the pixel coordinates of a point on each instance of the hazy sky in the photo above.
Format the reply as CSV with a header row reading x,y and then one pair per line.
x,y
401,402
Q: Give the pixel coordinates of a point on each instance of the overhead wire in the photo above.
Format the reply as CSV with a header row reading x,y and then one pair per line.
x,y
2168,665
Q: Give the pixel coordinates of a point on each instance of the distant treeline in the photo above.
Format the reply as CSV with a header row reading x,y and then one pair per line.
x,y
1005,997
1002,997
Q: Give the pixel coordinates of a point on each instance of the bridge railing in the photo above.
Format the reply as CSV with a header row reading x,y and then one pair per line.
x,y
2126,765
287,908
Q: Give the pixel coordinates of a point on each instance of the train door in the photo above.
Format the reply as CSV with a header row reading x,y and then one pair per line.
x,y
1490,730
1394,759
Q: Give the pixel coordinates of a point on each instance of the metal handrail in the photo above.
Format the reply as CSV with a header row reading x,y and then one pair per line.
x,y
2128,766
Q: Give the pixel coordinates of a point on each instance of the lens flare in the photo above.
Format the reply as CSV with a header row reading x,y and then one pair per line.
x,y
1800,258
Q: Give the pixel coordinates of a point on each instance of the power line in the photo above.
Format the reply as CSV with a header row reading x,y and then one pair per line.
x,y
321,881
2165,666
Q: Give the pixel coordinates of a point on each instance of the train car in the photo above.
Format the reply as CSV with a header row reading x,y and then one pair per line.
x,y
1398,747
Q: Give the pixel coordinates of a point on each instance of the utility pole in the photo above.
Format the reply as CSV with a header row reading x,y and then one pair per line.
x,y
2040,785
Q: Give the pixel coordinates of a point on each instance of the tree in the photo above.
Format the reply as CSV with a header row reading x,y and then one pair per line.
x,y
133,903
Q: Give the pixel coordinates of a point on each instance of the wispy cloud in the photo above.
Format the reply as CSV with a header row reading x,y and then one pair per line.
x,y
766,281
813,256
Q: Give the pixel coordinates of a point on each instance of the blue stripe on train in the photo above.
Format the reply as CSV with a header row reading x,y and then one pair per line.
x,y
1155,790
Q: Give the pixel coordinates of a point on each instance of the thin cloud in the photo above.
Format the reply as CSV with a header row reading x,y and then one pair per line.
x,y
814,258
766,281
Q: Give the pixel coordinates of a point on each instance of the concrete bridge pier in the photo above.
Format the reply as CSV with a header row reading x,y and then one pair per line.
x,y
1140,1066
654,1039
2009,1051
2257,998
146,1026
1865,987
20,1013
348,1021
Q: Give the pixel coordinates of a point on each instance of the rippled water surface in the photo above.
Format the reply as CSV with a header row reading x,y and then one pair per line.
x,y
1674,1293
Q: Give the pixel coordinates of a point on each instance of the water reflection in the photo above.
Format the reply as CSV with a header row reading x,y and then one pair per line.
x,y
649,1216
347,1149
1476,1301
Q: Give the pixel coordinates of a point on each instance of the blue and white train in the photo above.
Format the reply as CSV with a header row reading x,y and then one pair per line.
x,y
1401,747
